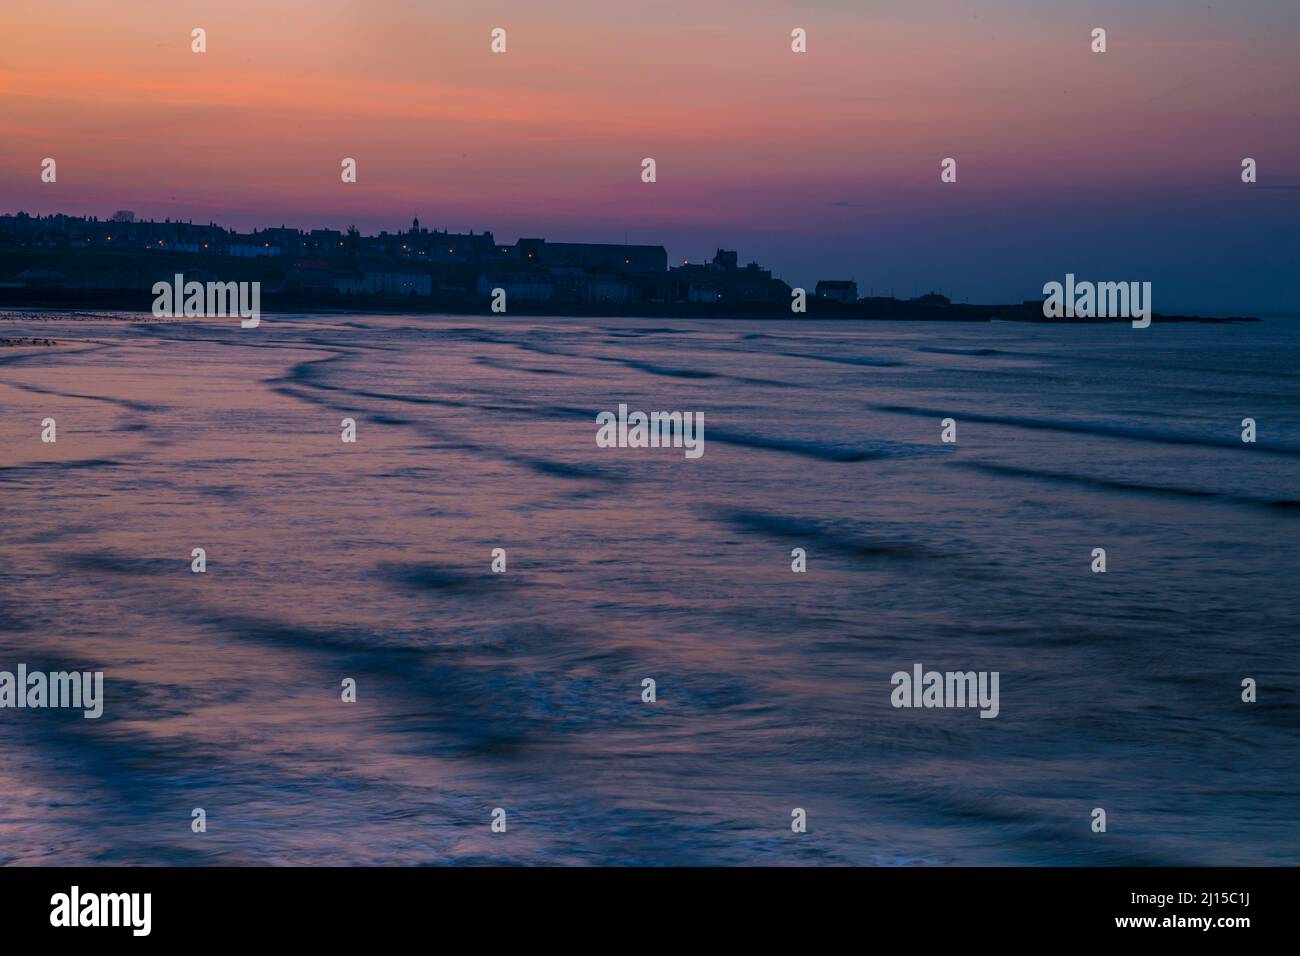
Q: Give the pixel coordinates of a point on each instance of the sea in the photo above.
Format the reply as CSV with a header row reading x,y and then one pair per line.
x,y
1164,691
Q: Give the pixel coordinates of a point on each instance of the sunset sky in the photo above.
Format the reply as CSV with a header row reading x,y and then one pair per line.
x,y
1118,166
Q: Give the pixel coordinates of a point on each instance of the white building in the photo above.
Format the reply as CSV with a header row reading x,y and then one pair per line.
x,y
385,283
520,286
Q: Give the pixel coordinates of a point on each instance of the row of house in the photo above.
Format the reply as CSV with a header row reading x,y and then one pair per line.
x,y
124,231
415,261
562,272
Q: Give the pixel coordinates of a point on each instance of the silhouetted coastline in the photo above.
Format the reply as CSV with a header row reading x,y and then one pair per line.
x,y
80,263
899,310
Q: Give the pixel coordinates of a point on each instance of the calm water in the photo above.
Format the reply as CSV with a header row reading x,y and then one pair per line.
x,y
523,690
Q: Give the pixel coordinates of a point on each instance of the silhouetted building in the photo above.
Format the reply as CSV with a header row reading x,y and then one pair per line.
x,y
932,299
837,290
592,256
123,252
519,286
384,278
721,280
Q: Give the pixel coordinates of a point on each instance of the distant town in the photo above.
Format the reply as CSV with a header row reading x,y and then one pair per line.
x,y
64,261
